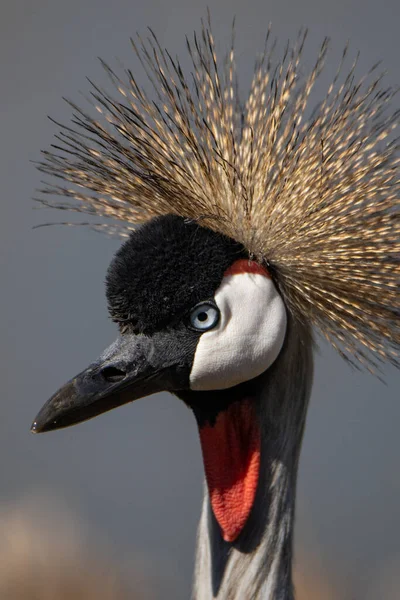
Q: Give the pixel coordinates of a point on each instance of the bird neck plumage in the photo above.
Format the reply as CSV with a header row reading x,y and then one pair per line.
x,y
258,565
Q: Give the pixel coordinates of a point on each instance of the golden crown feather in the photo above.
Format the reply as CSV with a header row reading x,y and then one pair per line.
x,y
314,195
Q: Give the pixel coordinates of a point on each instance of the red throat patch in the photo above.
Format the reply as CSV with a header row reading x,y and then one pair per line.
x,y
231,454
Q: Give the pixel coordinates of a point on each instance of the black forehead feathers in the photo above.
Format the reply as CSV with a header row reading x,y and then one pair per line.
x,y
166,267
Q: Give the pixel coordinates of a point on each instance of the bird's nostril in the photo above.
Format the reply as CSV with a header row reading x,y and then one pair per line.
x,y
112,374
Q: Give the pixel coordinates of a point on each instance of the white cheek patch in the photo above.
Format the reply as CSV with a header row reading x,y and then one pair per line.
x,y
248,338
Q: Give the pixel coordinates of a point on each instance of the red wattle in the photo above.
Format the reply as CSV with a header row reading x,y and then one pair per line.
x,y
231,454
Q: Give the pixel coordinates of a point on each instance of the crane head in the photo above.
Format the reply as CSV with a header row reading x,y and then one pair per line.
x,y
199,319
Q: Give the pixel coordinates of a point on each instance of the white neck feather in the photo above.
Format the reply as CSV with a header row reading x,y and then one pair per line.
x,y
258,564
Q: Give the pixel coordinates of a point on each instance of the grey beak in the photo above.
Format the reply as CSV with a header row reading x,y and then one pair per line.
x,y
126,371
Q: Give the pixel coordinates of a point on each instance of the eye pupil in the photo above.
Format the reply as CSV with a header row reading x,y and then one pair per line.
x,y
203,316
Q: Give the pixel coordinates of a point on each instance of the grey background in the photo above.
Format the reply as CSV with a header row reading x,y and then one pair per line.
x,y
134,476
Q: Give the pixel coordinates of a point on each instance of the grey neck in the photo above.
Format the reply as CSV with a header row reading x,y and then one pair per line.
x,y
258,565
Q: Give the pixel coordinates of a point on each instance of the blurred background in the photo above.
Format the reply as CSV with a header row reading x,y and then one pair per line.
x,y
115,501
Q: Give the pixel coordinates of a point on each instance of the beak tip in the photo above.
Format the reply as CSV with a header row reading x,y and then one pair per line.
x,y
35,427
39,427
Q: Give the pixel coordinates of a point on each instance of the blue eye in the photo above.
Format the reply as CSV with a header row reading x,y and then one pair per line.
x,y
204,316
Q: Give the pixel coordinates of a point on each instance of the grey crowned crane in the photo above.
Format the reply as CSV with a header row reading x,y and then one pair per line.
x,y
249,226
